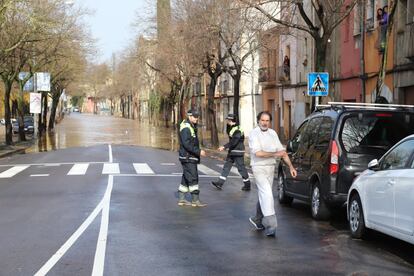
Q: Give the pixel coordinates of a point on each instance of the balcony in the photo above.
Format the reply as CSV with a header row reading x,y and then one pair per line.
x,y
283,74
267,74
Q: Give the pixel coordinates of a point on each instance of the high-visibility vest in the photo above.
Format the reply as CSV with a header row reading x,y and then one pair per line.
x,y
184,124
234,129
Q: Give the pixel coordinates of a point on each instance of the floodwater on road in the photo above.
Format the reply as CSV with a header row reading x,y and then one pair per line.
x,y
82,130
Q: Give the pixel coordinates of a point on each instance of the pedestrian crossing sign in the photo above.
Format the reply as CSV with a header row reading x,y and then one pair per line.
x,y
318,84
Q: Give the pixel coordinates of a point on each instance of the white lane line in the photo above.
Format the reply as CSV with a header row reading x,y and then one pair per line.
x,y
167,164
68,244
206,170
172,175
234,170
78,169
99,261
13,171
110,154
110,168
36,175
143,168
52,164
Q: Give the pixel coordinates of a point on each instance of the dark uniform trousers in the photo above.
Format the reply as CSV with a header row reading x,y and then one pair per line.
x,y
239,162
189,180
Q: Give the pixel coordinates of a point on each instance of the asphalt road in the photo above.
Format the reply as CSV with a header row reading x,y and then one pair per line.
x,y
83,211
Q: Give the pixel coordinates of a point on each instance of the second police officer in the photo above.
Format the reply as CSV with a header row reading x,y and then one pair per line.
x,y
236,150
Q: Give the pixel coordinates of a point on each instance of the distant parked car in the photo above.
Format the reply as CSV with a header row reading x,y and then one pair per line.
x,y
382,197
28,125
76,109
3,121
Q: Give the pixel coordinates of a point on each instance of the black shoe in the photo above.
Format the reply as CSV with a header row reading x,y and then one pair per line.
x,y
256,223
270,232
246,188
217,185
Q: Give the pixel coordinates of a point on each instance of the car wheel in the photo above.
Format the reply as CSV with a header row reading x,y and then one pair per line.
x,y
320,210
356,217
283,198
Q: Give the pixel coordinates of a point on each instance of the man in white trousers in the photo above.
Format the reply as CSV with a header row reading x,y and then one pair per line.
x,y
265,147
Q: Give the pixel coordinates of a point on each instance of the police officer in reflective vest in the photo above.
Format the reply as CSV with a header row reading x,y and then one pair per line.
x,y
189,155
235,148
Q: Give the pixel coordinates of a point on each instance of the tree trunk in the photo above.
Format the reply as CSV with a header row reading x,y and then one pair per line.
x,y
236,92
8,125
20,111
320,48
44,119
52,117
383,66
211,114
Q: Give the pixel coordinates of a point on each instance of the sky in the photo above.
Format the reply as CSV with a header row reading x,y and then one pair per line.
x,y
111,23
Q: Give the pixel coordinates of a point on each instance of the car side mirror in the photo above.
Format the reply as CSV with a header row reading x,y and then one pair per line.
x,y
373,165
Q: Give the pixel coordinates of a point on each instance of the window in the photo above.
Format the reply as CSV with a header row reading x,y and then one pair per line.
x,y
370,14
311,133
402,15
357,16
375,133
398,157
325,132
297,139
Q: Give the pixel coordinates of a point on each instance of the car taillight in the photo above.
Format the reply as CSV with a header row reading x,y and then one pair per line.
x,y
334,167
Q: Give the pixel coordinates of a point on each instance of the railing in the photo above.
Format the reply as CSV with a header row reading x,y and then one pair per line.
x,y
283,74
267,74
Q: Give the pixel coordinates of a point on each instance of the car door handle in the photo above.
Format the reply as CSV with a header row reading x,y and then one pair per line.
x,y
391,182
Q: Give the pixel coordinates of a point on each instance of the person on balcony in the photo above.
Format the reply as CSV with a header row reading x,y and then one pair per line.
x,y
286,67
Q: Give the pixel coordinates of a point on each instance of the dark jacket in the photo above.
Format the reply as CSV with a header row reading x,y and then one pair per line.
x,y
235,145
189,144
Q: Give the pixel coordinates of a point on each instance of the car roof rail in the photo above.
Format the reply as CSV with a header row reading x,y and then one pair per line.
x,y
353,105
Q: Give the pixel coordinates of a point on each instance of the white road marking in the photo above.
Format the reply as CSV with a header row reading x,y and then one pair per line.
x,y
110,154
235,170
13,171
78,169
36,175
167,164
143,168
52,164
172,175
68,244
206,170
99,261
110,168
232,170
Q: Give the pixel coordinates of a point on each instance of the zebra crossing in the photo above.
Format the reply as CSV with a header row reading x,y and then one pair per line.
x,y
79,169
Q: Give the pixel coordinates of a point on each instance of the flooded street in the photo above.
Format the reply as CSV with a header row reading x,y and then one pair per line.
x,y
82,130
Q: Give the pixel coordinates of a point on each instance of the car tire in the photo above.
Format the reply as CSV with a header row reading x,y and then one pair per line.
x,y
356,217
319,209
281,186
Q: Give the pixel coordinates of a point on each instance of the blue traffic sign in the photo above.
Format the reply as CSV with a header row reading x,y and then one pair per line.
x,y
318,84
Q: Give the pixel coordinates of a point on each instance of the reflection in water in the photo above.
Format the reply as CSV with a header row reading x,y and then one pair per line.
x,y
78,130
82,130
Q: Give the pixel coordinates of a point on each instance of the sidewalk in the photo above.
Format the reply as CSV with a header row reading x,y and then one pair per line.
x,y
18,147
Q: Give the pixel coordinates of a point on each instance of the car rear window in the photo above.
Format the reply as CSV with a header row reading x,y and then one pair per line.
x,y
364,133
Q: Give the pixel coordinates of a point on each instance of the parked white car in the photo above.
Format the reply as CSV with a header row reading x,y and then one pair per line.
x,y
382,197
